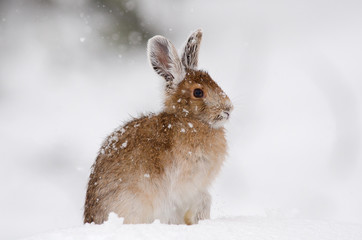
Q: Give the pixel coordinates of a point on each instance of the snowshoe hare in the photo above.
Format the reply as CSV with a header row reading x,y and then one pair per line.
x,y
160,166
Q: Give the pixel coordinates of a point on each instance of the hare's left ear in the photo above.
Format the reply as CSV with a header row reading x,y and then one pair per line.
x,y
190,55
165,61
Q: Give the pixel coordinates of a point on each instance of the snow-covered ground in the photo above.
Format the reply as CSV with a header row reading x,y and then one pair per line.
x,y
251,228
292,69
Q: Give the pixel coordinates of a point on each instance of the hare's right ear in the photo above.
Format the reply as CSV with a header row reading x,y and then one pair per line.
x,y
165,60
190,55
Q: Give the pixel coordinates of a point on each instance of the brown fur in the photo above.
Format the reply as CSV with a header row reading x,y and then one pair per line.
x,y
160,166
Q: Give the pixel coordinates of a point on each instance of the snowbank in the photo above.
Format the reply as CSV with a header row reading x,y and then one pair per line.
x,y
251,228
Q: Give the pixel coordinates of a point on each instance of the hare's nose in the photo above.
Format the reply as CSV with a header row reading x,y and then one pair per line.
x,y
228,108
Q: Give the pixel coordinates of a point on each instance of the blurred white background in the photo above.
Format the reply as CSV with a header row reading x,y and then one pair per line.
x,y
73,70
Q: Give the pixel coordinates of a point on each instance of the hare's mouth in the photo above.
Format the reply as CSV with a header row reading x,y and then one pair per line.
x,y
220,119
223,115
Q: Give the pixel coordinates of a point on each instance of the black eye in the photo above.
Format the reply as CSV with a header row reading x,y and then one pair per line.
x,y
198,93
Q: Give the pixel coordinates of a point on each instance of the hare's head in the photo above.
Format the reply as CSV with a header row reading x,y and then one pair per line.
x,y
189,92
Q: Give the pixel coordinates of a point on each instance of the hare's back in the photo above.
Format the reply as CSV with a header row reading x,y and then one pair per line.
x,y
136,147
148,145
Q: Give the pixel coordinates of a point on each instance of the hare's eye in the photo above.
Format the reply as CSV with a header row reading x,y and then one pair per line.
x,y
198,93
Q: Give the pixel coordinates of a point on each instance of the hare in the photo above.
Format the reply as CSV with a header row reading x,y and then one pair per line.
x,y
160,166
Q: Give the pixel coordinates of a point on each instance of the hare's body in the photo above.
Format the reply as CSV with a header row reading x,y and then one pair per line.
x,y
150,177
160,166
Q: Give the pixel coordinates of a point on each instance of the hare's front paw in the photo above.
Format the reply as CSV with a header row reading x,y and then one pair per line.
x,y
200,210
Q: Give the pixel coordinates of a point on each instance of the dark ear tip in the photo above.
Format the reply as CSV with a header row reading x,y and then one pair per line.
x,y
198,33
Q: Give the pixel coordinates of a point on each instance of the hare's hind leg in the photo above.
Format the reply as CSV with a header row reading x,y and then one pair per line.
x,y
200,209
134,208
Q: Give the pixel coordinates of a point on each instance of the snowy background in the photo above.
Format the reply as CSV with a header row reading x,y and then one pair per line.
x,y
72,70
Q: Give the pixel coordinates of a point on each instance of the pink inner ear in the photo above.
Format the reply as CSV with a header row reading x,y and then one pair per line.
x,y
162,55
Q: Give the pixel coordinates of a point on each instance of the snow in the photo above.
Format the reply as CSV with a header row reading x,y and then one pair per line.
x,y
124,145
113,139
146,175
250,228
291,69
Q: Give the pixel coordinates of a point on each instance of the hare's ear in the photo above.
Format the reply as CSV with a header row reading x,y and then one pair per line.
x,y
165,61
190,55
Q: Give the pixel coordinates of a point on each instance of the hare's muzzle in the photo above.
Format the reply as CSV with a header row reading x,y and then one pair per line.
x,y
226,114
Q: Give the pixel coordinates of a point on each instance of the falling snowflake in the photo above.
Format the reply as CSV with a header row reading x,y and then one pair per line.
x,y
124,145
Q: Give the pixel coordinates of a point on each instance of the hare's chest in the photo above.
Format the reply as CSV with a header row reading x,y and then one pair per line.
x,y
193,170
198,161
